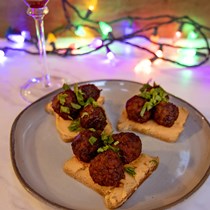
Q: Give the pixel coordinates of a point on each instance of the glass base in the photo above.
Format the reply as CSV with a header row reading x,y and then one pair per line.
x,y
34,89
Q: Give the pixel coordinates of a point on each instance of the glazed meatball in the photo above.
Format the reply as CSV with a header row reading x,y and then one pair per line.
x,y
134,106
85,149
129,145
93,117
107,169
62,105
90,90
166,113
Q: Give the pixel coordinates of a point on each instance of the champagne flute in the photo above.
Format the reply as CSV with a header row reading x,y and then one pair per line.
x,y
37,87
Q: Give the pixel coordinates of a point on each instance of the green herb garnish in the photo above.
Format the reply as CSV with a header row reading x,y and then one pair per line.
x,y
75,125
62,98
79,95
92,129
84,114
75,106
130,170
154,95
107,139
65,109
92,101
116,143
92,140
106,147
65,86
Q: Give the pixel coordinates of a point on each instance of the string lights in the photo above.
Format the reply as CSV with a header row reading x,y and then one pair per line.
x,y
105,37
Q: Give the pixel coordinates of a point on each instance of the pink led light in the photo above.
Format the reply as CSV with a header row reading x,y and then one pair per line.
x,y
110,55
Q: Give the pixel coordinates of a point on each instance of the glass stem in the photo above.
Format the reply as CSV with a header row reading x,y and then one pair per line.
x,y
38,15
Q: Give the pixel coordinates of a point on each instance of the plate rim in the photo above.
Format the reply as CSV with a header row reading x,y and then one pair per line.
x,y
38,196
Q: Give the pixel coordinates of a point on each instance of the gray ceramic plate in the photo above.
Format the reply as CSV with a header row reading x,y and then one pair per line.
x,y
38,155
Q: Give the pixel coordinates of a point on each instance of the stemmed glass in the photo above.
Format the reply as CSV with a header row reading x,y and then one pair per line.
x,y
37,87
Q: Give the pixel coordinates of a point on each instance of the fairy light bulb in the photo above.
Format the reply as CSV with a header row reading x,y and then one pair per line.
x,y
2,53
192,35
109,54
128,26
89,11
187,52
73,48
159,52
3,57
96,43
143,66
80,31
178,33
92,4
128,30
106,29
14,35
91,7
26,35
51,38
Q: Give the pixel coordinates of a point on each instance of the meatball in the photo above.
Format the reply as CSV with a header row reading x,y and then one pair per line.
x,y
83,147
90,90
62,105
107,169
165,113
129,145
93,117
134,106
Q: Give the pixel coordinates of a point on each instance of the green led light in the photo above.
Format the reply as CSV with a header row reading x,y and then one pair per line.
x,y
80,31
187,52
192,35
187,56
105,28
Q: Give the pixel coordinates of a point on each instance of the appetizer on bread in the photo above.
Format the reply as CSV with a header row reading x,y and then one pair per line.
x,y
150,112
112,165
80,108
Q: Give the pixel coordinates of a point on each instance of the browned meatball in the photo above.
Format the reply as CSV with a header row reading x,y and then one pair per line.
x,y
129,145
93,117
62,105
90,91
107,169
85,145
134,106
166,113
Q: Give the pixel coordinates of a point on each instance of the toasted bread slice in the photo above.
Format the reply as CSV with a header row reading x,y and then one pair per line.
x,y
62,125
153,129
114,196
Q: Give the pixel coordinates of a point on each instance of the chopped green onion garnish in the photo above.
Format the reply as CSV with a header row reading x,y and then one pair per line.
x,y
92,140
92,101
84,114
65,86
65,109
130,170
79,95
106,147
116,143
75,106
107,139
154,95
75,125
92,129
62,98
